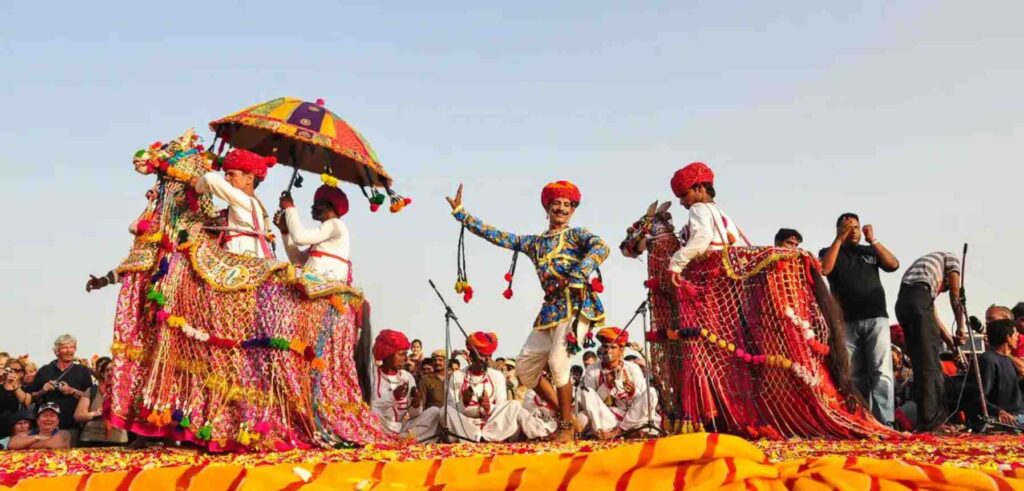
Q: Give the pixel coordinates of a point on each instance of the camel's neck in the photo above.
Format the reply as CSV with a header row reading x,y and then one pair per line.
x,y
659,251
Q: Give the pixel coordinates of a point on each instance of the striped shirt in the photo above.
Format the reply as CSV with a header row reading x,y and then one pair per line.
x,y
931,270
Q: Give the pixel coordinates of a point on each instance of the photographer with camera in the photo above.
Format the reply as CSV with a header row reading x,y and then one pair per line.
x,y
62,382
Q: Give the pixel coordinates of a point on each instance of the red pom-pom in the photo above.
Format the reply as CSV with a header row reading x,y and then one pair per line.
x,y
308,354
596,285
319,102
507,293
508,276
650,283
374,207
408,201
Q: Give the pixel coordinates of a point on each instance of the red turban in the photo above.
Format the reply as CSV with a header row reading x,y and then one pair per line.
x,y
690,176
559,189
389,342
613,335
486,343
250,162
334,196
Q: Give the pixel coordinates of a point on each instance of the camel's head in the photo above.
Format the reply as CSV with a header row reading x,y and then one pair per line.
x,y
655,222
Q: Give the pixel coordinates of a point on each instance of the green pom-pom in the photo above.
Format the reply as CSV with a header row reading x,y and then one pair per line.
x,y
377,199
205,433
140,153
185,422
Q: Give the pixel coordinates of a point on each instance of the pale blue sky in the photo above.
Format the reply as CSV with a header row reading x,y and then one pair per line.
x,y
908,113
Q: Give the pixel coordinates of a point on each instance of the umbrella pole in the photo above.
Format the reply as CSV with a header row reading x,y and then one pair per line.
x,y
291,182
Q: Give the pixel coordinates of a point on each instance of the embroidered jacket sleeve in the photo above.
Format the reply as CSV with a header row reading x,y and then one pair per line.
x,y
215,184
701,228
497,237
592,250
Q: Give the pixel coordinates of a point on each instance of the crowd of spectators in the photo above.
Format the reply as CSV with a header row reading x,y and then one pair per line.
x,y
58,405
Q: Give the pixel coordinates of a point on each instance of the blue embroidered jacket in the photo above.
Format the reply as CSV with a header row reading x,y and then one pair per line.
x,y
563,259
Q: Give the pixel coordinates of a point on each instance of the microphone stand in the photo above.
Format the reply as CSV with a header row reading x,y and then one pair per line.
x,y
648,428
443,434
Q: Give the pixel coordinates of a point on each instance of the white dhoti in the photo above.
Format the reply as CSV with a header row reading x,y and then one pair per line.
x,y
635,413
421,426
504,422
547,349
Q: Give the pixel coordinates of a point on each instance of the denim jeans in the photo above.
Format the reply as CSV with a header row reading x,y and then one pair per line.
x,y
871,364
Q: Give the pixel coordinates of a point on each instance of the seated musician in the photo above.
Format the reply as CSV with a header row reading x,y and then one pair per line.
x,y
479,409
616,398
394,396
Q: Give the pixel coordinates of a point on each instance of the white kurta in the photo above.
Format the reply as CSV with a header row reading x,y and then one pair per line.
x,y
396,414
242,233
505,418
331,239
627,410
707,229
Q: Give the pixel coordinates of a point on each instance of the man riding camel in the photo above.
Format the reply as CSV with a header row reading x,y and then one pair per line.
x,y
328,251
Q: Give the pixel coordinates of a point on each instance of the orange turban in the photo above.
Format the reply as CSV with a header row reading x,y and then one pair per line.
x,y
613,335
559,189
250,162
486,343
389,342
690,176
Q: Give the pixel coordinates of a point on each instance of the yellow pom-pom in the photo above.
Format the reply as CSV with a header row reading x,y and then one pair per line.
x,y
787,363
704,332
731,347
713,338
722,344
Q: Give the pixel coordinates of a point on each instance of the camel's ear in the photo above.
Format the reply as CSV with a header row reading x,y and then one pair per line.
x,y
664,207
651,209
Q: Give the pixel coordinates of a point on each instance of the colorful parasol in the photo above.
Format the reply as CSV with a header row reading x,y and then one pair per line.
x,y
308,136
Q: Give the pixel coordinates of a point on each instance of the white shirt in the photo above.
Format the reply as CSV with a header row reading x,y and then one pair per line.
x,y
392,411
612,383
240,215
707,229
490,385
331,237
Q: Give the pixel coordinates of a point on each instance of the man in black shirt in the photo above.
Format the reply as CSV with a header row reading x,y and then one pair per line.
x,y
1003,396
852,271
63,382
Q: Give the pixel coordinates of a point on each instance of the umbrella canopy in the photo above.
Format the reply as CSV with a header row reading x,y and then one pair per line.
x,y
305,135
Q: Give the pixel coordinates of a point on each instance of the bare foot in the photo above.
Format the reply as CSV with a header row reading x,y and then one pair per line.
x,y
566,435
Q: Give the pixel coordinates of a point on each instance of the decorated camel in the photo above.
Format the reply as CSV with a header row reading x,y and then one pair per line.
x,y
233,353
749,342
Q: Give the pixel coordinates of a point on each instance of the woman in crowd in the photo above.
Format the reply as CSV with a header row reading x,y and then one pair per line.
x,y
12,397
95,431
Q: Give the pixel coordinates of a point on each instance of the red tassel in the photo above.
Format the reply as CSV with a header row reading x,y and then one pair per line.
x,y
508,276
408,201
374,207
507,293
596,285
467,294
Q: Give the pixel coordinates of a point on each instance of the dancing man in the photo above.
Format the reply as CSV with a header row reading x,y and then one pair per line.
x,y
564,258
708,227
328,251
479,406
394,396
616,398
